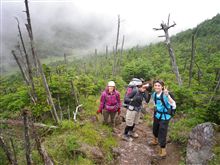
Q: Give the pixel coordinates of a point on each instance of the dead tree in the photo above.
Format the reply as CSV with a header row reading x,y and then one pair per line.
x,y
27,137
106,52
20,67
41,149
29,68
24,76
7,151
30,33
215,90
14,152
192,59
65,59
21,123
74,94
114,61
38,64
120,57
116,48
165,27
95,63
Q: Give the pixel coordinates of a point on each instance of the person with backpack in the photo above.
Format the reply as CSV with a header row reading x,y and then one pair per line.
x,y
164,108
133,102
109,103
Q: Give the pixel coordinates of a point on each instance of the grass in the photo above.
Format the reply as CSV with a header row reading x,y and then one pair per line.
x,y
69,138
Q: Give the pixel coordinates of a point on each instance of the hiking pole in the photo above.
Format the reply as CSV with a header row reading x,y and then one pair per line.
x,y
75,113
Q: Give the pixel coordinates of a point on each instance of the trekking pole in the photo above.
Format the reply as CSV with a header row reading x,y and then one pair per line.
x,y
75,113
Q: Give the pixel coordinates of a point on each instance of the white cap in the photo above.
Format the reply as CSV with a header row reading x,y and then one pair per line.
x,y
111,84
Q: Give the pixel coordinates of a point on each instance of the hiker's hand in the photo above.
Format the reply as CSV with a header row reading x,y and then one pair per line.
x,y
119,111
99,111
166,92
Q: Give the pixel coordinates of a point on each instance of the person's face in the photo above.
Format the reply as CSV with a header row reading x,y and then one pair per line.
x,y
158,87
142,89
110,89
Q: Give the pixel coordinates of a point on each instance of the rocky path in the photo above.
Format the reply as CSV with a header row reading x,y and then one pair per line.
x,y
139,152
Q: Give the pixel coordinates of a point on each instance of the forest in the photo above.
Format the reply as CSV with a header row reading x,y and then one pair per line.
x,y
48,95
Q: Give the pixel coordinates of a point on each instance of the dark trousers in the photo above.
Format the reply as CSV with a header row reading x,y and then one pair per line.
x,y
160,128
107,114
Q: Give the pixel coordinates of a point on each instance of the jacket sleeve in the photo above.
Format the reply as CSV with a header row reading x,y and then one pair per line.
x,y
147,97
118,99
102,101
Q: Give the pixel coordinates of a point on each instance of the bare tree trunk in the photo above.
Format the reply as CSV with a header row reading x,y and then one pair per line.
x,y
30,75
117,38
215,90
21,123
120,57
22,59
73,93
23,75
27,137
192,60
95,63
65,59
199,73
116,48
114,63
30,32
41,150
14,152
174,65
165,27
20,67
106,52
38,63
68,111
61,112
6,150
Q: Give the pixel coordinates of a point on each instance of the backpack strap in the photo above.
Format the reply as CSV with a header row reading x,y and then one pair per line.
x,y
163,103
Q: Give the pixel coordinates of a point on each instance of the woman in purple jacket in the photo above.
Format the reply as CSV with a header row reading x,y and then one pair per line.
x,y
110,103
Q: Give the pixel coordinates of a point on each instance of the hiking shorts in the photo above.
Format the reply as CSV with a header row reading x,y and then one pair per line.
x,y
132,117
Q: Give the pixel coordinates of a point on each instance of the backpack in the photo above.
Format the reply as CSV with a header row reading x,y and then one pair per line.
x,y
132,86
170,111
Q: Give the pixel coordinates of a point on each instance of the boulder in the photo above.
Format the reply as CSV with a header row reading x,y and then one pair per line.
x,y
200,144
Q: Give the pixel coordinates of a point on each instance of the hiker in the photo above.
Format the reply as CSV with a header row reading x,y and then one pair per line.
x,y
110,103
133,100
163,105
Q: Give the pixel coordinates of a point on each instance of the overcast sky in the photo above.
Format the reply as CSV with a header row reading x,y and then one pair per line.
x,y
96,20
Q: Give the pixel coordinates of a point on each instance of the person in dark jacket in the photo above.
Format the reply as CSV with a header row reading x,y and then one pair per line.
x,y
133,100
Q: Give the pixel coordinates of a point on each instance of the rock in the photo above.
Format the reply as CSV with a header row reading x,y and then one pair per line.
x,y
93,153
200,144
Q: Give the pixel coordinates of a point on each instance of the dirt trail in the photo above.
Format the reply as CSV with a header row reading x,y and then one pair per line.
x,y
139,152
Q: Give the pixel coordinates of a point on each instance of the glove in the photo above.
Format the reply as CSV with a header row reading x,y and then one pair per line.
x,y
119,111
99,111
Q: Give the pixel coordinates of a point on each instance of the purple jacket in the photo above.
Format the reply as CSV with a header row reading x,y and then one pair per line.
x,y
110,102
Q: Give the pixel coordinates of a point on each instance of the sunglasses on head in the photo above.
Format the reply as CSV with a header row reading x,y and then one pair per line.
x,y
158,81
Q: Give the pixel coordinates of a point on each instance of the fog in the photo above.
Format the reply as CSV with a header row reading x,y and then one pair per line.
x,y
78,27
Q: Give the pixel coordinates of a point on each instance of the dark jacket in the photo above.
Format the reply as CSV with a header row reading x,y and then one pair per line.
x,y
136,97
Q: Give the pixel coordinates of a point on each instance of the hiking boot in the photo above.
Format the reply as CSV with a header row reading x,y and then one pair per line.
x,y
154,141
162,153
133,134
127,138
